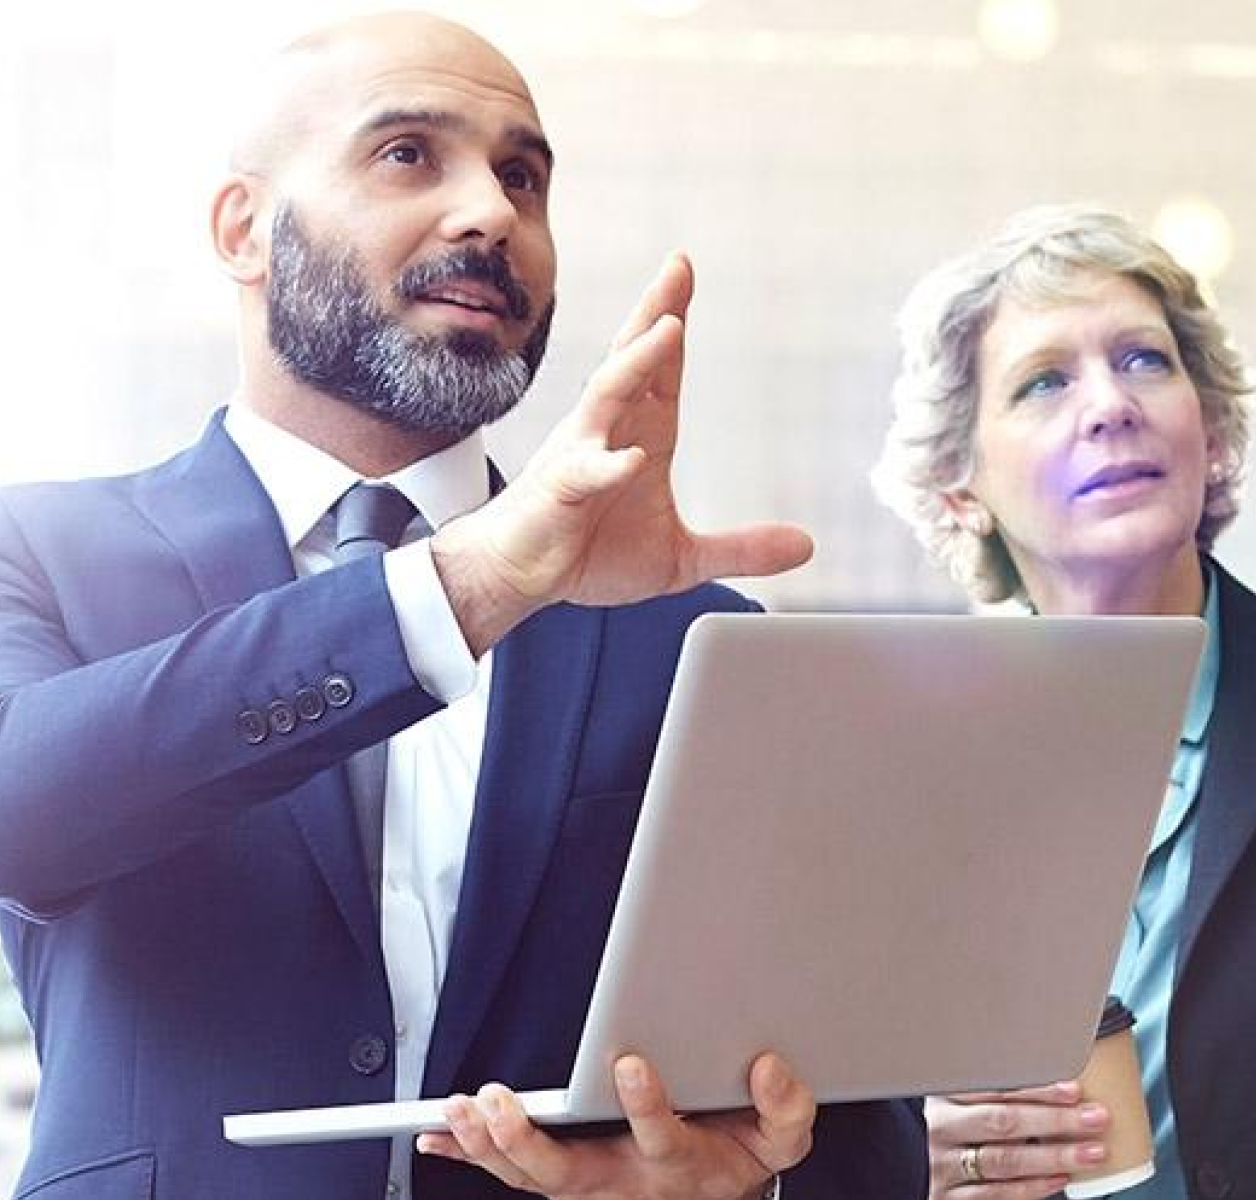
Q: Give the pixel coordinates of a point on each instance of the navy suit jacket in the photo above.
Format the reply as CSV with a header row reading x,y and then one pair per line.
x,y
1212,1067
1212,1073
187,910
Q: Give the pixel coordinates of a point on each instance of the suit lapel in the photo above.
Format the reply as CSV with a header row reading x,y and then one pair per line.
x,y
209,504
542,680
1227,813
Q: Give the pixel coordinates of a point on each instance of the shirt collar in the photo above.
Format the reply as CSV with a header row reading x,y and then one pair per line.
x,y
303,482
1199,707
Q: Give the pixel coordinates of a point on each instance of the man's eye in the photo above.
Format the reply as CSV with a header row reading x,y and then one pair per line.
x,y
406,154
1043,383
520,176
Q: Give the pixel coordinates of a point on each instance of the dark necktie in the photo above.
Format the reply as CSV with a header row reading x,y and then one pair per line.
x,y
370,518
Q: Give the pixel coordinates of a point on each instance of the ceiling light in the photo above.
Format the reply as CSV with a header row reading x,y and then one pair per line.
x,y
1019,30
1198,234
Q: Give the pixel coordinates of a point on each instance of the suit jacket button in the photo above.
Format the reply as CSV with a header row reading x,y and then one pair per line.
x,y
252,726
282,716
310,704
338,690
1213,1182
368,1054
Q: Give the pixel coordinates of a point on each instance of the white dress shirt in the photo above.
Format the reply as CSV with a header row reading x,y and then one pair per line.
x,y
433,766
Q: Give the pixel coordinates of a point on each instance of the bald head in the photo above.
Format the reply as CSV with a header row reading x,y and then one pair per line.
x,y
300,88
386,218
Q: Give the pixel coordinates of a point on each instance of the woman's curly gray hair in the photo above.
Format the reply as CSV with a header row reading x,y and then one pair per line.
x,y
1037,257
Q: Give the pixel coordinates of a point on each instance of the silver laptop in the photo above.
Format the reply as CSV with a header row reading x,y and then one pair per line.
x,y
900,850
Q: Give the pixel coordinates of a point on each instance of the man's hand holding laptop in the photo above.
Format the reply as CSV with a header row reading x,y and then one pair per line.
x,y
662,1156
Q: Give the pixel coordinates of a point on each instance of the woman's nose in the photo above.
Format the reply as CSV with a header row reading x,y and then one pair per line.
x,y
1110,404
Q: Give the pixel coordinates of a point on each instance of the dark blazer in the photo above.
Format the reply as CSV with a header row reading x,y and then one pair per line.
x,y
186,907
1212,1068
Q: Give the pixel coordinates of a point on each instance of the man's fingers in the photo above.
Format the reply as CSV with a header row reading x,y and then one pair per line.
x,y
787,1111
582,471
474,1124
443,1145
676,286
630,375
658,1132
669,292
538,1161
764,549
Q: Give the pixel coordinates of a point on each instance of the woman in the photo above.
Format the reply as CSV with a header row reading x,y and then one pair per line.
x,y
1070,427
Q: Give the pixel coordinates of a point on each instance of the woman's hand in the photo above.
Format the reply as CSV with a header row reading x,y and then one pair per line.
x,y
1016,1145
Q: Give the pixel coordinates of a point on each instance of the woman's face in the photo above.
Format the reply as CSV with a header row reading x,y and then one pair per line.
x,y
1090,450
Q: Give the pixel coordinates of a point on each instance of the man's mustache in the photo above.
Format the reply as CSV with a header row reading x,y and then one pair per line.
x,y
467,263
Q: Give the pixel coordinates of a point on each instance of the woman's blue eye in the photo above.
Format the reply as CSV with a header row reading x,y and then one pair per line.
x,y
1044,383
1146,358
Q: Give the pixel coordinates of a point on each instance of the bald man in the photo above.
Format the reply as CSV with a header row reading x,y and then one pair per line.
x,y
286,824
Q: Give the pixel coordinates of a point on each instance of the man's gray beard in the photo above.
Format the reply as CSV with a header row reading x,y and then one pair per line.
x,y
331,334
423,383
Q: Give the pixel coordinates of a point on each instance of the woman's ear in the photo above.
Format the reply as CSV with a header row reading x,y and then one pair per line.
x,y
970,513
1216,460
240,232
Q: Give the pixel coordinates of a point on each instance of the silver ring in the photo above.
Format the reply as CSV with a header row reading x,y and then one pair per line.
x,y
970,1164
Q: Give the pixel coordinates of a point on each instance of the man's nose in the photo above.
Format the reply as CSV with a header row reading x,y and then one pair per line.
x,y
478,208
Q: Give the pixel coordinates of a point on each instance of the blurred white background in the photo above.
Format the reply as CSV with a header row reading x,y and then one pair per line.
x,y
815,157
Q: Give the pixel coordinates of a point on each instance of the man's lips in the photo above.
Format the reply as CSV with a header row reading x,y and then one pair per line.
x,y
469,283
472,295
1118,475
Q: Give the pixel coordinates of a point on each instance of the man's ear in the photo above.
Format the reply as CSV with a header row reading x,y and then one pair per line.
x,y
241,230
970,513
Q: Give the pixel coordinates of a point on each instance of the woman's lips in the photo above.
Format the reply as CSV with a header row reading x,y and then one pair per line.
x,y
1118,478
